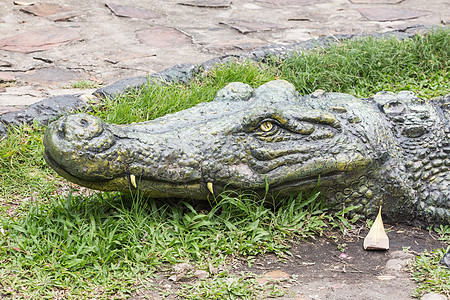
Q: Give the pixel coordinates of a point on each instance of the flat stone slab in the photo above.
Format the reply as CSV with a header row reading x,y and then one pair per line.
x,y
249,26
8,109
39,40
376,1
385,14
24,3
273,276
161,37
289,2
51,11
132,12
8,76
208,3
302,16
4,63
120,56
21,96
233,45
52,75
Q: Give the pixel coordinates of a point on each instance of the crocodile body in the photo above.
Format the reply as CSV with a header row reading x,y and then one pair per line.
x,y
391,148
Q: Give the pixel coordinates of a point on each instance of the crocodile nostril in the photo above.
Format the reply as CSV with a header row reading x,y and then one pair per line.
x,y
61,132
82,126
84,123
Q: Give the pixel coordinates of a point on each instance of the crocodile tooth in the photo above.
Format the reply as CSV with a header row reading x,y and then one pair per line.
x,y
133,181
210,187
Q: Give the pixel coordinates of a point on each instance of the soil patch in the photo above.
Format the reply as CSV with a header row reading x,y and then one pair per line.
x,y
339,268
335,267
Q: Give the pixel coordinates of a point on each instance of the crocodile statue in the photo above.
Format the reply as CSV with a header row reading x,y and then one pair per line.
x,y
391,148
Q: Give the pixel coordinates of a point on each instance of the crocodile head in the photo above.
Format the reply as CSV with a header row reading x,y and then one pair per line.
x,y
242,140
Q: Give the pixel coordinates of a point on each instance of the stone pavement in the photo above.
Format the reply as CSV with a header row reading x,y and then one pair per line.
x,y
44,46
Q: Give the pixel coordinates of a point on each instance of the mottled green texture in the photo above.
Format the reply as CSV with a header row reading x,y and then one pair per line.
x,y
393,148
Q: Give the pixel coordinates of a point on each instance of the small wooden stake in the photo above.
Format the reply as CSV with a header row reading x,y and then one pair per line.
x,y
133,181
210,187
377,238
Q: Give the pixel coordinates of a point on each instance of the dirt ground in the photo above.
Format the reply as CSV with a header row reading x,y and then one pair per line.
x,y
333,268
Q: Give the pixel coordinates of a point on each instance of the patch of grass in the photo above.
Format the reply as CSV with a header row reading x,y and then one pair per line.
x,y
160,99
365,66
85,84
229,287
430,275
23,172
101,245
444,233
5,84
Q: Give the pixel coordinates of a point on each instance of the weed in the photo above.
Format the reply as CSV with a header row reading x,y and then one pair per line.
x,y
223,287
23,173
85,84
159,99
431,276
365,66
444,233
79,244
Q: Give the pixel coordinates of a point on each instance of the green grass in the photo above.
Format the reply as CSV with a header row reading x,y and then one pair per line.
x,y
443,233
230,287
103,246
76,245
85,84
366,66
23,172
430,275
157,100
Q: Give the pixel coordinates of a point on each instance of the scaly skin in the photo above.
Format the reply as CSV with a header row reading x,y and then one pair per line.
x,y
392,149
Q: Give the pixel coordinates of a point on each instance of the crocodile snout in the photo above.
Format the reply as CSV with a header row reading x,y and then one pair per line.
x,y
80,127
78,132
79,145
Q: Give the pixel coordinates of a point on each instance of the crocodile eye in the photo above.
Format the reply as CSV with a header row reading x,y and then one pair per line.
x,y
266,126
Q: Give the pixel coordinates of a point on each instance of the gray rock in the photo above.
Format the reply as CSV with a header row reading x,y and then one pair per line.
x,y
396,265
211,63
3,131
121,86
181,73
433,296
446,259
45,111
399,254
235,91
